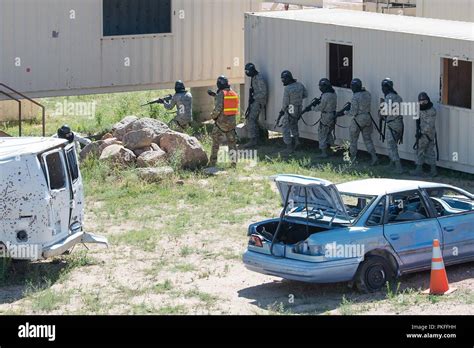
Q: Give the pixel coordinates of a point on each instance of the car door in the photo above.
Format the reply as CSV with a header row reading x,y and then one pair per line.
x,y
410,228
54,165
455,212
77,193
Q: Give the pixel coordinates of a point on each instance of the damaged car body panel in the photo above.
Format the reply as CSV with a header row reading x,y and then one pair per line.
x,y
42,199
366,231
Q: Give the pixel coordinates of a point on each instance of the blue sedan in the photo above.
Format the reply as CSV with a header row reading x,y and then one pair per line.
x,y
368,232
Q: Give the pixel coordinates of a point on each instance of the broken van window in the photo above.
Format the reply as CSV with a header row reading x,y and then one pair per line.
x,y
57,177
72,164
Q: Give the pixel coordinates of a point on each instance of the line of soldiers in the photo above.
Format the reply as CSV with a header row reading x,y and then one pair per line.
x,y
358,109
292,111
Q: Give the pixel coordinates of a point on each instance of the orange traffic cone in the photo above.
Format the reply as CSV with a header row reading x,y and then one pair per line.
x,y
439,280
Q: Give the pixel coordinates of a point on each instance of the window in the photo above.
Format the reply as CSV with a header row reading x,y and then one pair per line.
x,y
376,218
456,86
406,206
136,17
72,164
448,201
57,177
340,65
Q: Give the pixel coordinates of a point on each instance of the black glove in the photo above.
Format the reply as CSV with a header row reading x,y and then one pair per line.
x,y
211,93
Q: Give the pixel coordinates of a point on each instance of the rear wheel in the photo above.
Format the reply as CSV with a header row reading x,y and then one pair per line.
x,y
373,274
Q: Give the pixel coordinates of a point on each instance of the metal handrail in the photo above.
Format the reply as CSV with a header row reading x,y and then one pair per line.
x,y
34,102
19,109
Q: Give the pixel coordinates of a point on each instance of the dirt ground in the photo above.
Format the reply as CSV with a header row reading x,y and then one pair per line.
x,y
202,273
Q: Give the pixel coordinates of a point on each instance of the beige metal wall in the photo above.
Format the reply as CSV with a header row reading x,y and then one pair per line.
x,y
206,43
458,10
413,61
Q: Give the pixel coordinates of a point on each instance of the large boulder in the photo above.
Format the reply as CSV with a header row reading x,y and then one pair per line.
x,y
92,149
155,174
107,143
118,155
138,152
189,148
119,129
150,158
156,126
138,139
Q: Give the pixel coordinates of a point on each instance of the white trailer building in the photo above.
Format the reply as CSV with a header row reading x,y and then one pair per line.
x,y
419,54
73,47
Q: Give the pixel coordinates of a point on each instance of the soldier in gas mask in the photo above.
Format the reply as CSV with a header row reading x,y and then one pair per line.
x,y
224,116
257,102
183,101
359,110
425,136
292,106
391,114
326,104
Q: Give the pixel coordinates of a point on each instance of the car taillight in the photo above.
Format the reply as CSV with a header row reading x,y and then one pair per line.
x,y
256,241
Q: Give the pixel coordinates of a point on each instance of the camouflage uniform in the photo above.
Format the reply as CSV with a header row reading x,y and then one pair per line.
x,y
426,144
184,106
224,126
259,88
327,123
395,127
361,122
292,101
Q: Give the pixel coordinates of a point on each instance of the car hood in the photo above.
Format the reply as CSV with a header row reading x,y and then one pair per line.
x,y
321,194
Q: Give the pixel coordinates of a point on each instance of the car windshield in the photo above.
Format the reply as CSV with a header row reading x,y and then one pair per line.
x,y
354,204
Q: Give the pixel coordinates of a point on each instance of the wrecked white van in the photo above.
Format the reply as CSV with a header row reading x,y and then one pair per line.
x,y
41,199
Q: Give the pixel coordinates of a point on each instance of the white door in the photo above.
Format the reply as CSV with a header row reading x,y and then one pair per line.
x,y
59,192
77,199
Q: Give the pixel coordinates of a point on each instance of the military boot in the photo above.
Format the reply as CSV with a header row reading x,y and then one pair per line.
x,y
398,167
374,159
297,143
324,153
433,171
252,143
390,165
289,149
418,171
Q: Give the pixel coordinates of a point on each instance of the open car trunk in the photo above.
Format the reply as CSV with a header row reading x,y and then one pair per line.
x,y
290,232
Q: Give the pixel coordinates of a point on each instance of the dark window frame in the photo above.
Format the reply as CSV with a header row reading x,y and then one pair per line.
x,y
109,30
336,72
450,89
53,186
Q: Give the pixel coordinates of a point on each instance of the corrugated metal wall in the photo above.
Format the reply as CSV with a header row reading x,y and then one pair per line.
x,y
414,62
204,44
457,10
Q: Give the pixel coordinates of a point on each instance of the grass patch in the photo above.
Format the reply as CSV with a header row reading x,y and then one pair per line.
x,y
161,288
145,238
184,267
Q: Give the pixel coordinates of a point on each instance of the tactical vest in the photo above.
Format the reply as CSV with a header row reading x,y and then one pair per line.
x,y
231,103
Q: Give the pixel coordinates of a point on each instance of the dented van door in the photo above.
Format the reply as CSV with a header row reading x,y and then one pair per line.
x,y
77,189
54,165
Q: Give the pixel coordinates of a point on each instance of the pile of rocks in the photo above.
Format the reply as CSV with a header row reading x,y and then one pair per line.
x,y
149,144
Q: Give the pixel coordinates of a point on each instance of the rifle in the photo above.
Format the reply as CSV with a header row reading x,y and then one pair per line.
x,y
160,100
277,124
346,107
382,122
315,102
251,101
418,134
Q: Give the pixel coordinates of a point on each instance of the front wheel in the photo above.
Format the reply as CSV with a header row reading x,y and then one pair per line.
x,y
373,274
